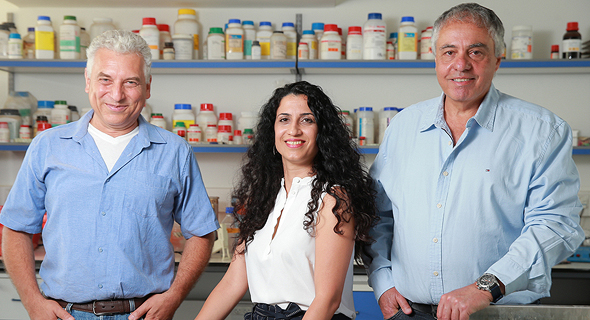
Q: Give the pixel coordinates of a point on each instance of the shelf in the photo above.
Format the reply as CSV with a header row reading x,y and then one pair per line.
x,y
177,3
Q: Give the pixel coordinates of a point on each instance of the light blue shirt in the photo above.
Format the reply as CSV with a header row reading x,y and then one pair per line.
x,y
503,200
108,233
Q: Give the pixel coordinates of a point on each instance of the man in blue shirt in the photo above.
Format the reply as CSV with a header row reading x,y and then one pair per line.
x,y
112,186
477,190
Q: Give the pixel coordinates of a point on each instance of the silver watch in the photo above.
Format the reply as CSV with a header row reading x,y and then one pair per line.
x,y
490,283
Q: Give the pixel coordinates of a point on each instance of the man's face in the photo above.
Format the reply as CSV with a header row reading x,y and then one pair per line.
x,y
465,63
117,90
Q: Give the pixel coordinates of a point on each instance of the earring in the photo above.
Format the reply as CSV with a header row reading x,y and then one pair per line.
x,y
274,150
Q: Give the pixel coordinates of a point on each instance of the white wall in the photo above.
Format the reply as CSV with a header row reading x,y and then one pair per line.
x,y
566,95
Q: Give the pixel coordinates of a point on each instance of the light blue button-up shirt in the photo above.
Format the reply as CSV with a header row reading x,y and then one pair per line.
x,y
502,200
108,233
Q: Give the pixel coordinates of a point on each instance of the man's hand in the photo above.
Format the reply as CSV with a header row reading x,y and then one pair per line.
x,y
48,310
463,302
158,307
391,301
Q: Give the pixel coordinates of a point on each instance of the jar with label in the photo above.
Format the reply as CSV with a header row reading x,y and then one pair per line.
x,y
374,41
365,124
347,120
100,25
44,108
522,42
263,35
572,42
249,36
211,133
84,42
391,49
385,118
24,132
426,45
4,34
303,51
183,112
14,120
29,44
44,39
289,32
15,46
238,137
42,125
69,38
150,33
555,51
247,120
4,132
183,46
234,40
224,135
354,48
164,37
187,24
194,134
226,119
168,53
312,43
248,136
60,113
256,50
278,46
407,39
206,116
216,44
158,120
331,43
180,129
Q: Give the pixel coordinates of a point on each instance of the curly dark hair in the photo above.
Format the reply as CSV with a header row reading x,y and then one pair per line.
x,y
337,166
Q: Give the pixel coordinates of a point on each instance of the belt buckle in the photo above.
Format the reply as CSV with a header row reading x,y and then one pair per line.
x,y
99,313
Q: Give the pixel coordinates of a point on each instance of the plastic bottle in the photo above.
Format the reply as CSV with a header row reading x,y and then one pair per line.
x,y
226,119
522,42
69,39
216,44
278,46
74,115
179,129
193,134
348,121
158,120
234,40
384,119
572,42
84,42
256,50
249,36
343,45
303,51
168,53
60,113
183,112
312,43
291,34
247,120
150,33
4,132
318,29
42,124
374,41
407,39
248,136
44,108
263,35
206,116
29,44
4,36
365,124
183,46
331,43
187,24
164,37
14,120
44,39
555,51
354,43
15,46
426,44
238,137
211,133
24,132
391,49
224,135
100,25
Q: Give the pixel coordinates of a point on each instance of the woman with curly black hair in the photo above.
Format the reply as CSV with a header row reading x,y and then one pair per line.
x,y
306,204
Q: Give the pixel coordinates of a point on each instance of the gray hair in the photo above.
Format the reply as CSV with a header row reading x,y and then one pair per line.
x,y
476,14
121,41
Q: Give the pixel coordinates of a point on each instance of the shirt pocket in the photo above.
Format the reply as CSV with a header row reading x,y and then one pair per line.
x,y
147,193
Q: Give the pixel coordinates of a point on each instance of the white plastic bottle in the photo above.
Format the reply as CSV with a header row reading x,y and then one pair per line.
x,y
263,37
291,34
354,43
384,119
226,119
278,46
318,29
312,43
247,120
522,42
15,46
194,134
69,39
150,33
206,116
256,50
234,40
391,51
183,46
216,44
158,120
183,112
331,43
426,44
211,133
4,38
374,41
348,121
249,36
303,51
224,135
407,39
29,44
44,39
187,24
84,42
100,25
365,124
60,114
164,37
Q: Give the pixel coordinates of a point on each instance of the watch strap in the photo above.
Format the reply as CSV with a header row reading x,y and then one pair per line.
x,y
496,293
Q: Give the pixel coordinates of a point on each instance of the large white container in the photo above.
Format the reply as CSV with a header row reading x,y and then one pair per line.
x,y
15,46
44,39
263,37
183,46
226,119
69,39
249,36
234,40
247,120
183,112
374,39
278,46
150,33
291,34
365,124
312,43
60,114
84,42
4,36
331,43
216,44
207,116
354,43
426,44
407,48
100,25
164,37
522,42
384,119
187,24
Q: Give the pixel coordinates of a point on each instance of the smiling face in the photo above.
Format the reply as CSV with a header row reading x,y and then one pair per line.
x,y
117,90
465,63
296,131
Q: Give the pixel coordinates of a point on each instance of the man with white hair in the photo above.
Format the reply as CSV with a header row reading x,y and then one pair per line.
x,y
112,186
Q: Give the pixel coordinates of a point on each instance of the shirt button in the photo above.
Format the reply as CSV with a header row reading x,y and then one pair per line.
x,y
435,274
103,213
435,240
445,173
439,205
100,286
450,143
99,249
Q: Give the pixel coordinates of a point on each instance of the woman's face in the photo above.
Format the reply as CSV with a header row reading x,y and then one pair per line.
x,y
296,131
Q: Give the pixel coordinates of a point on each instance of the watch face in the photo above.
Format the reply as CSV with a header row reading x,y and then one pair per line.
x,y
486,281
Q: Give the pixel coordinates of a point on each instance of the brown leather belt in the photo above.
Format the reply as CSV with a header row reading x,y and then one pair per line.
x,y
105,307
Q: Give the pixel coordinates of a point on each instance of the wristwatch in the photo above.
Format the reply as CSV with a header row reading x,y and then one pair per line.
x,y
490,283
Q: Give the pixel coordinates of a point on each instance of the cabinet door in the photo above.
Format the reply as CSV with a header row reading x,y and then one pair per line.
x,y
10,305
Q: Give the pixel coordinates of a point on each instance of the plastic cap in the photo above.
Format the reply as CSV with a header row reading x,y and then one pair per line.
x,y
366,109
375,15
102,20
330,27
180,124
149,21
246,131
555,48
216,30
225,116
522,28
248,22
43,18
265,23
235,21
308,32
229,209
10,112
183,106
256,43
45,104
4,125
345,112
187,11
206,107
237,132
14,36
210,125
389,109
317,26
572,26
164,27
193,125
31,29
70,18
355,30
64,102
408,19
288,24
393,35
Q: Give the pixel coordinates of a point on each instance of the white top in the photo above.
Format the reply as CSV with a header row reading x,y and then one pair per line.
x,y
110,147
281,270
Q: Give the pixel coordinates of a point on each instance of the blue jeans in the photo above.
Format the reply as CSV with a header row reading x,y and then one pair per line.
x,y
81,315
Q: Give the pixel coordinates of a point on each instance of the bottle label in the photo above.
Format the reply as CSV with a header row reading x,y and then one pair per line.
x,y
571,45
44,40
408,42
196,42
248,47
279,50
291,49
264,47
234,43
215,48
522,47
69,40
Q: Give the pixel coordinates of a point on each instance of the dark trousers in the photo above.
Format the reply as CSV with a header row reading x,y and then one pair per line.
x,y
262,311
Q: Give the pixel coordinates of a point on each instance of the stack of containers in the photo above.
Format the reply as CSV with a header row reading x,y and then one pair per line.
x,y
187,24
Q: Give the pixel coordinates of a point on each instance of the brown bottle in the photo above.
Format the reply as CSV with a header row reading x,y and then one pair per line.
x,y
572,41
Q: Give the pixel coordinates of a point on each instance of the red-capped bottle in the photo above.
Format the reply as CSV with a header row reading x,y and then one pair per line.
x,y
572,41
